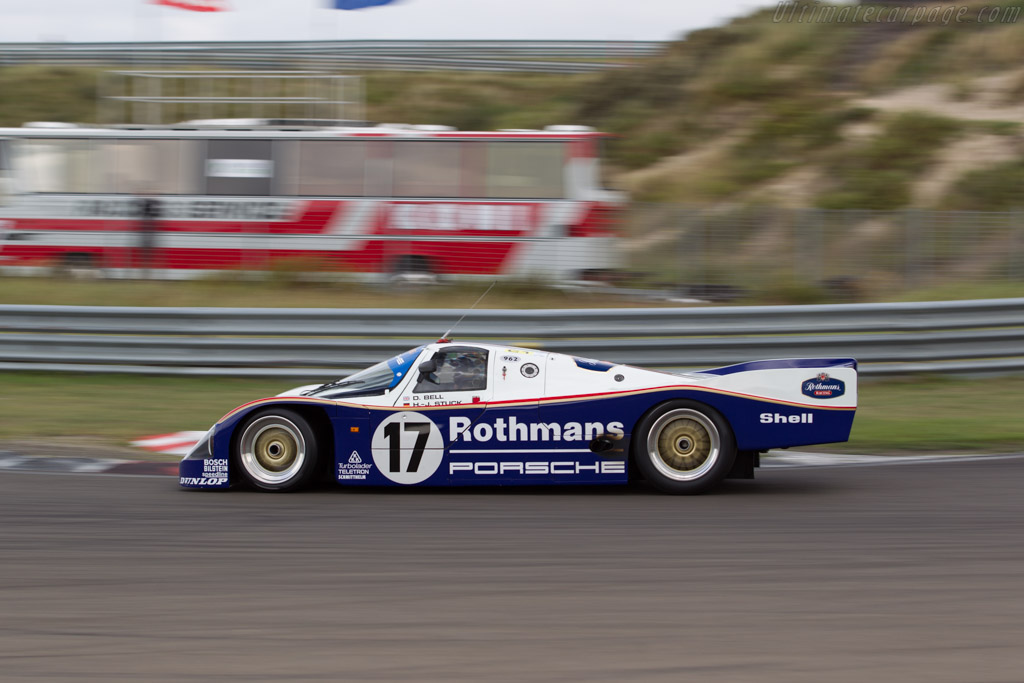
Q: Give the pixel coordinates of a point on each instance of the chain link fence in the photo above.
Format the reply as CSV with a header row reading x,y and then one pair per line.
x,y
837,254
760,255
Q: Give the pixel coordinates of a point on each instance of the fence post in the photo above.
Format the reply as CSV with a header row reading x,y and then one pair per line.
x,y
1015,266
813,232
795,223
911,257
689,247
700,257
683,226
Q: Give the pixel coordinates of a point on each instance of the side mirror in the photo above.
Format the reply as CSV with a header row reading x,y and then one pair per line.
x,y
428,366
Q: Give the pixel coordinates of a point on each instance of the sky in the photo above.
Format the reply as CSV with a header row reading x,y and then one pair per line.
x,y
136,20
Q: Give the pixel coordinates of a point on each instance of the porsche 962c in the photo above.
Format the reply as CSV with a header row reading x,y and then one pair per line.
x,y
458,414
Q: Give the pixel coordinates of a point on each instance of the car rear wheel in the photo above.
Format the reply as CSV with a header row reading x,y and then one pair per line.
x,y
684,447
276,450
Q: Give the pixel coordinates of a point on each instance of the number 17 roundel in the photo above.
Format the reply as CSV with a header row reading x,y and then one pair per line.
x,y
407,447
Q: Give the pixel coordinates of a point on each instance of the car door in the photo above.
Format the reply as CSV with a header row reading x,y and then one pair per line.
x,y
499,447
433,409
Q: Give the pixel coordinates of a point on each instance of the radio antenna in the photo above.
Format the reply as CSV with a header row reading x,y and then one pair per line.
x,y
445,335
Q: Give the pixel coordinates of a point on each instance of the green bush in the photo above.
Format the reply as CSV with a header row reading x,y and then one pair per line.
x,y
792,130
997,188
923,65
651,86
1007,128
880,189
785,290
877,174
643,149
46,93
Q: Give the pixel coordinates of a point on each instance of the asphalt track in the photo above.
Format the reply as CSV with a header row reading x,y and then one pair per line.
x,y
905,572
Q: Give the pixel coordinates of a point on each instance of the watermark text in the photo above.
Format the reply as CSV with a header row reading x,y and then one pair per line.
x,y
818,13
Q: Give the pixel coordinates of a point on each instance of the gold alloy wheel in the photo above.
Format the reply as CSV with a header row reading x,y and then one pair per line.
x,y
684,444
275,449
272,449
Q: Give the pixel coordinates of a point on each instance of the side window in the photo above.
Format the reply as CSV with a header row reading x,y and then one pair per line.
x,y
525,170
42,165
137,166
457,370
5,173
321,168
427,169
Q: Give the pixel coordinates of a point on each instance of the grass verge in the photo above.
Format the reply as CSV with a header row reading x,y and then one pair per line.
x,y
938,414
896,416
119,408
227,292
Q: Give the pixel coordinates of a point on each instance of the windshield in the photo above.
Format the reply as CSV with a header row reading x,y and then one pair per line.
x,y
375,379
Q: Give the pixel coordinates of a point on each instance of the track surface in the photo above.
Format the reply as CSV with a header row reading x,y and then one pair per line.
x,y
896,573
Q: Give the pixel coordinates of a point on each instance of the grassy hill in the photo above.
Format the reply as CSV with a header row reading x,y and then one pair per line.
x,y
864,112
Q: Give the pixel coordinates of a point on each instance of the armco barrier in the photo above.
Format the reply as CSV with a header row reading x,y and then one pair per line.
x,y
984,337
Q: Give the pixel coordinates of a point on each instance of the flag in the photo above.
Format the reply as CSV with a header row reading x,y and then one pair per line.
x,y
358,4
195,5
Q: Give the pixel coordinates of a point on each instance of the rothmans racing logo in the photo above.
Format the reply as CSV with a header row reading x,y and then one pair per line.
x,y
823,386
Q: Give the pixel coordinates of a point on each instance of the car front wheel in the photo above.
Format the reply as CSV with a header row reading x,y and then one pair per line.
x,y
684,447
276,450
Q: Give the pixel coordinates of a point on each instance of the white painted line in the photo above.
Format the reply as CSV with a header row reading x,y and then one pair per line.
x,y
95,467
178,443
10,461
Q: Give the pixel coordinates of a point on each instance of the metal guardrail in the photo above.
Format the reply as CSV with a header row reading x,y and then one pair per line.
x,y
983,337
543,56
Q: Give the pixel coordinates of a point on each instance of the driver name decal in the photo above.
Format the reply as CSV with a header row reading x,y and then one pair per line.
x,y
429,400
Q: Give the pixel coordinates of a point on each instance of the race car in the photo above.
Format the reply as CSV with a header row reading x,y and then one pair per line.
x,y
474,414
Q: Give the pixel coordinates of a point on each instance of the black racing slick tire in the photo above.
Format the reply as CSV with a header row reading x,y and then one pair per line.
x,y
684,447
276,450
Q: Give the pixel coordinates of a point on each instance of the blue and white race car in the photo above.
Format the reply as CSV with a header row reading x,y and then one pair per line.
x,y
471,414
